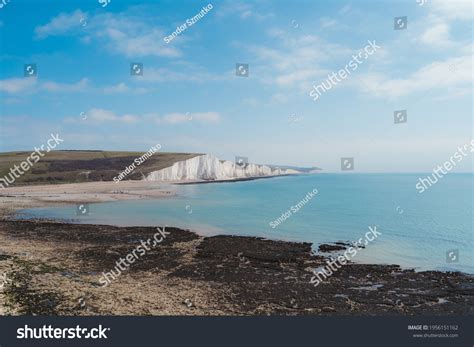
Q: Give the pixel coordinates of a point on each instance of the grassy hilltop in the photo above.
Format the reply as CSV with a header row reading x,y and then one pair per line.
x,y
85,166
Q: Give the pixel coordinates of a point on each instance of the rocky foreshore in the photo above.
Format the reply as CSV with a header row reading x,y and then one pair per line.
x,y
54,268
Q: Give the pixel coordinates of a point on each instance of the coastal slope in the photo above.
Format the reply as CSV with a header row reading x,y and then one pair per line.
x,y
78,166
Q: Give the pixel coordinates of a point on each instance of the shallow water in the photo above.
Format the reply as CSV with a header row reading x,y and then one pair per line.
x,y
418,230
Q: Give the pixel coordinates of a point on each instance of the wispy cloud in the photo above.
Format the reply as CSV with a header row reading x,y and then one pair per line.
x,y
437,35
187,74
65,87
32,85
120,33
132,37
122,87
455,73
441,16
297,60
117,88
326,22
99,115
453,9
241,10
17,85
61,24
202,117
345,9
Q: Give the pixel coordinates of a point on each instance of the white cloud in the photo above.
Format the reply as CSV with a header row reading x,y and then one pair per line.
x,y
298,60
301,75
453,9
174,118
99,115
328,22
64,87
278,98
202,117
252,102
121,88
120,33
31,84
345,9
241,10
452,74
192,74
206,117
63,23
436,25
437,35
163,75
467,49
17,85
134,39
118,88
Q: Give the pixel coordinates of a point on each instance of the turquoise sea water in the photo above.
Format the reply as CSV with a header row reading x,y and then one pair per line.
x,y
417,229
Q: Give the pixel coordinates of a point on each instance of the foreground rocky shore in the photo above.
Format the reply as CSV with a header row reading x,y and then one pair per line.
x,y
54,269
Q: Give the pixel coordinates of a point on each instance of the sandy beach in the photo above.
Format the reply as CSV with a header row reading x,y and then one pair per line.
x,y
20,197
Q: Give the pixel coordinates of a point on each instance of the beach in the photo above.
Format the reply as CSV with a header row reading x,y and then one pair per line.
x,y
20,197
54,268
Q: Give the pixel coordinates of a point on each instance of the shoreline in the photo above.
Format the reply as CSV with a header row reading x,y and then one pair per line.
x,y
55,195
31,196
23,197
206,232
55,267
231,180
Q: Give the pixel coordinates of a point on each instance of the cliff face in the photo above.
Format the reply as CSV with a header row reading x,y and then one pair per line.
x,y
209,167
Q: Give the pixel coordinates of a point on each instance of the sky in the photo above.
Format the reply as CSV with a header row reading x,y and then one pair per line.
x,y
190,99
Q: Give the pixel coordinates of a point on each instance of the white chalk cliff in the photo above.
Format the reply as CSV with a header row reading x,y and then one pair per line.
x,y
208,167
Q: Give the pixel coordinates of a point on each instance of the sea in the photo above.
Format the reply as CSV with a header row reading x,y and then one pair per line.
x,y
432,230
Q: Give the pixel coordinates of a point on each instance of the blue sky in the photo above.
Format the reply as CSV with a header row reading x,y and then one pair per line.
x,y
190,100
